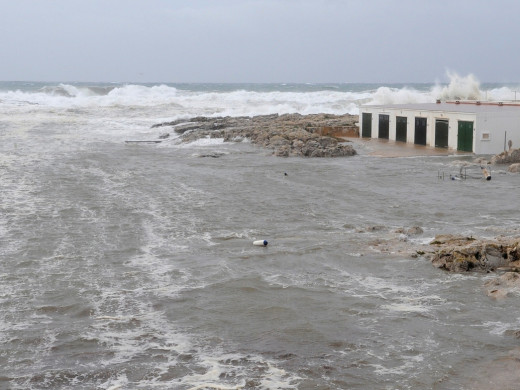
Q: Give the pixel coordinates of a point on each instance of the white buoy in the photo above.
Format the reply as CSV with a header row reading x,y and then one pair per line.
x,y
260,242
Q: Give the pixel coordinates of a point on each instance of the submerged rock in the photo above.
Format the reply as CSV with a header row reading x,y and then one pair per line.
x,y
412,231
502,286
514,168
212,155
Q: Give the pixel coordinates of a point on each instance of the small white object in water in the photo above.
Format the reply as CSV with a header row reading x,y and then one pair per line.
x,y
260,242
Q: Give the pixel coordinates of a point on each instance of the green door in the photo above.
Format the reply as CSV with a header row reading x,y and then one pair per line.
x,y
384,126
441,133
420,131
366,125
465,136
400,128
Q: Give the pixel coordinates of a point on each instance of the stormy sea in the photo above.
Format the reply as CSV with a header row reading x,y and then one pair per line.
x,y
132,265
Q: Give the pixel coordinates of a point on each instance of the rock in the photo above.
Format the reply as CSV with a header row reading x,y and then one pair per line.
x,y
497,293
508,157
301,135
513,333
213,155
481,161
493,257
460,254
297,144
283,151
288,135
184,128
327,142
415,230
502,286
374,228
311,149
278,141
451,239
514,168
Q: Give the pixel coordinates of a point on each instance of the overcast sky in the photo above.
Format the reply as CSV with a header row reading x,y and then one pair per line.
x,y
259,40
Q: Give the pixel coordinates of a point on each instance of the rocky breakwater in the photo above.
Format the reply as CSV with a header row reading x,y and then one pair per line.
x,y
461,254
319,135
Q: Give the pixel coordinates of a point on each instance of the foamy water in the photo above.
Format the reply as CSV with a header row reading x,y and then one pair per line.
x,y
128,266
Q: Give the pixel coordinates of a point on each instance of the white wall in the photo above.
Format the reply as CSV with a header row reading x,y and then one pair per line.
x,y
504,127
431,116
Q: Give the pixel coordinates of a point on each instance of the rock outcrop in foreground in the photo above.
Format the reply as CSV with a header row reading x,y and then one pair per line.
x,y
508,157
288,135
460,253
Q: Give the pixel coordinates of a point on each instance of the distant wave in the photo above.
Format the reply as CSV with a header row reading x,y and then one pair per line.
x,y
249,99
68,90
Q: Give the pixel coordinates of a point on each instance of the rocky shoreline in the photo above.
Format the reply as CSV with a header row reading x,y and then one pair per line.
x,y
457,254
319,135
463,254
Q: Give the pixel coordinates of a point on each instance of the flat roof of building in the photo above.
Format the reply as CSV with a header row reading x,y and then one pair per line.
x,y
462,106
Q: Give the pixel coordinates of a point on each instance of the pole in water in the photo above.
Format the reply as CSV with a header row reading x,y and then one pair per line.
x,y
260,242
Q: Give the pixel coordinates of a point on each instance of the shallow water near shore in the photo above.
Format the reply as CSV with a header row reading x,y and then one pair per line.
x,y
128,266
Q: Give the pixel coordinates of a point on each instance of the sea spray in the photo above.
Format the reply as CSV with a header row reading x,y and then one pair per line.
x,y
459,88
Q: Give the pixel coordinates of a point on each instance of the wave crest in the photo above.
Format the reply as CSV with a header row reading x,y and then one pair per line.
x,y
459,88
185,100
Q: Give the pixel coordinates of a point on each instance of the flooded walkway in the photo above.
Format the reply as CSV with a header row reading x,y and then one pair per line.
x,y
388,148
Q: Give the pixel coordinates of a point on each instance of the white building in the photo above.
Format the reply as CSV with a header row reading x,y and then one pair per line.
x,y
472,126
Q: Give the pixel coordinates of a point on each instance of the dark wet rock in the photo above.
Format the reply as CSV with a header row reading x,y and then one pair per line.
x,y
212,155
460,254
287,135
186,127
164,136
412,231
283,151
513,333
371,229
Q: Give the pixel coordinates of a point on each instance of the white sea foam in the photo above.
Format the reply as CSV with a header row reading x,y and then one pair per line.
x,y
406,307
499,328
207,141
406,367
386,95
246,102
238,368
120,382
459,88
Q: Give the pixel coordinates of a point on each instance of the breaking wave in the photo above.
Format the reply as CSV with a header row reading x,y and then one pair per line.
x,y
252,99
